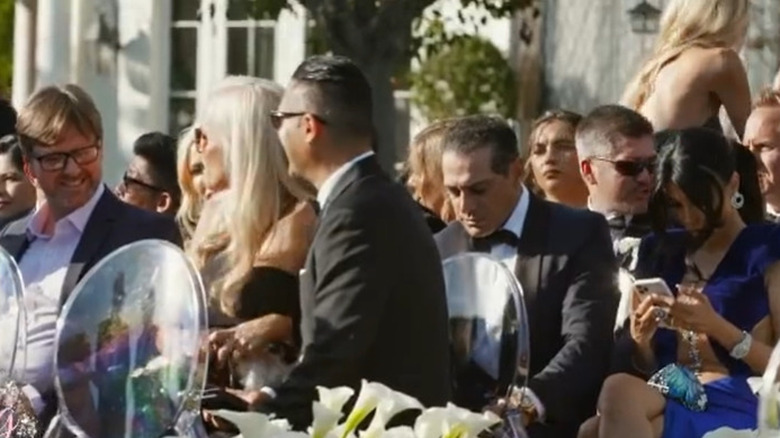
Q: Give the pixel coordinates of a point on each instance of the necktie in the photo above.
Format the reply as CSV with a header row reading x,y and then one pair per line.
x,y
498,237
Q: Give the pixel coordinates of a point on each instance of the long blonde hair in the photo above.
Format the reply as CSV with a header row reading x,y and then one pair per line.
x,y
260,190
425,179
191,200
686,24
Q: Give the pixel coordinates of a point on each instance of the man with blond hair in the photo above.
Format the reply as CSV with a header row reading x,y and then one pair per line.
x,y
762,137
78,222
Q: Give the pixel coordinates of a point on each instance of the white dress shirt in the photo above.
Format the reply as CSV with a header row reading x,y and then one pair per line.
x,y
43,267
508,255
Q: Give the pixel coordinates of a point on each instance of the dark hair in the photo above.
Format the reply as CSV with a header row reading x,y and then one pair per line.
x,y
339,93
7,118
700,162
754,209
599,128
9,144
472,133
554,115
159,150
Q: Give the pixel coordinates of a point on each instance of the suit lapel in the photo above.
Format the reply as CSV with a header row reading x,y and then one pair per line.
x,y
94,235
14,238
530,251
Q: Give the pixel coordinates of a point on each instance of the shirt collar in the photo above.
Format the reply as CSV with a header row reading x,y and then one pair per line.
x,y
516,220
78,217
609,214
771,211
330,183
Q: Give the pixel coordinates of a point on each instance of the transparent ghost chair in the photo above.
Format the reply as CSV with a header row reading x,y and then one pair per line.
x,y
15,415
488,333
128,360
769,398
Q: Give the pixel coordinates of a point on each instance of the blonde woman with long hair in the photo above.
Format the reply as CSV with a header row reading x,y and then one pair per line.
x,y
254,233
695,69
424,177
190,173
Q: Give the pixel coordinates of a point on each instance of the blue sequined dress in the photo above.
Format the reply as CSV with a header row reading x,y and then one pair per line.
x,y
737,291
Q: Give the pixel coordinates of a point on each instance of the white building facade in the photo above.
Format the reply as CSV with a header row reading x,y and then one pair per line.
x,y
148,63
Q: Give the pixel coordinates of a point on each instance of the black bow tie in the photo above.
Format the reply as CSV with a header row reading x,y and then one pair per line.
x,y
617,223
498,237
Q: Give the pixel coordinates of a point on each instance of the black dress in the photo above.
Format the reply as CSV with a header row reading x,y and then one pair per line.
x,y
268,290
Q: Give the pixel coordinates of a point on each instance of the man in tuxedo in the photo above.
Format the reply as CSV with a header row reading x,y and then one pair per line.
x,y
372,291
617,156
762,138
562,257
78,223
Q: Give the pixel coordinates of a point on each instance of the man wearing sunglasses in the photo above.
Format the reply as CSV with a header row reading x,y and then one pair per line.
x,y
78,222
617,161
372,295
150,179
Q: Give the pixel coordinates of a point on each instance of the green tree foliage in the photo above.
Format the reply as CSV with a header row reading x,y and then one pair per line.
x,y
6,46
468,76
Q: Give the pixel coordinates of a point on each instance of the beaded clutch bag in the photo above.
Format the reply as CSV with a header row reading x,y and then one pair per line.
x,y
679,383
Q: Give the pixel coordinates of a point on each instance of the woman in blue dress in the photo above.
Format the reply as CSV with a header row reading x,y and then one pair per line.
x,y
693,352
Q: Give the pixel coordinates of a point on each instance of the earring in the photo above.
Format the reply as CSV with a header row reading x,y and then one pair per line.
x,y
737,200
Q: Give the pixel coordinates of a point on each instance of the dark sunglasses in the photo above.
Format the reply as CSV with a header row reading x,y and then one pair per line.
x,y
129,180
277,117
629,167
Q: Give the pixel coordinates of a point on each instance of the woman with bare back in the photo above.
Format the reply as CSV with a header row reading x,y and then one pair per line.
x,y
695,68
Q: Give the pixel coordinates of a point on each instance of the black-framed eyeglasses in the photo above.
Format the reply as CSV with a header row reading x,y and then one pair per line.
x,y
56,161
128,180
277,117
631,167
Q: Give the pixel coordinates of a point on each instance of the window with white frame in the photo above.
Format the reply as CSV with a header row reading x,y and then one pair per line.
x,y
211,39
185,20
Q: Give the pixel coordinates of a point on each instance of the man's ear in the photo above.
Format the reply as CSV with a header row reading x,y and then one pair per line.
x,y
312,127
517,170
28,173
586,170
164,203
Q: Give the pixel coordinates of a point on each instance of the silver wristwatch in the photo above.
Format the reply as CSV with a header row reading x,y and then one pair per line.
x,y
743,346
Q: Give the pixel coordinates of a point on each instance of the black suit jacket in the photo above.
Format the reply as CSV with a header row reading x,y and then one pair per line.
x,y
111,225
567,269
372,298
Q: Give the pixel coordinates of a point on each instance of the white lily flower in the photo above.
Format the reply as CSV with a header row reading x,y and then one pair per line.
x,y
432,423
462,423
325,420
281,423
391,404
335,399
368,399
399,432
727,432
249,424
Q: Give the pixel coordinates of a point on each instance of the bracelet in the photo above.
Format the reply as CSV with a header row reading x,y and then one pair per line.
x,y
743,346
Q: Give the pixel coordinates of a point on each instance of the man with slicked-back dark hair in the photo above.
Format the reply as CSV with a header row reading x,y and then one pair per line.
x,y
372,291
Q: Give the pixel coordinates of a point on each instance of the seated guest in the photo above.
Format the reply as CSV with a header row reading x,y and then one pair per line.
x,y
762,137
78,222
150,179
617,158
552,169
17,195
718,326
424,175
256,229
561,256
190,174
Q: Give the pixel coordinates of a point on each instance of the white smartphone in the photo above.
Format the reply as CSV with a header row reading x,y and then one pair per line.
x,y
652,286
